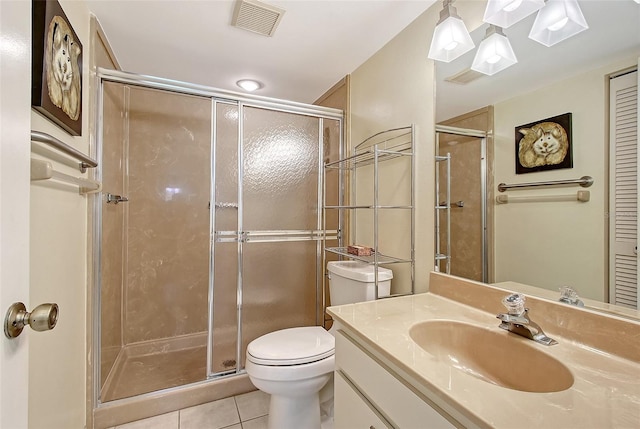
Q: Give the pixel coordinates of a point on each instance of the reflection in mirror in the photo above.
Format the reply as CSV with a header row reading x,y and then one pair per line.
x,y
549,245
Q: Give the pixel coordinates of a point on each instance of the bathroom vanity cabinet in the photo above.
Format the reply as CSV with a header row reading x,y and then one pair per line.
x,y
368,393
384,165
396,368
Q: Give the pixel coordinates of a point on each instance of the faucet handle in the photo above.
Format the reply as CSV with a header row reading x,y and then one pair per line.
x,y
570,296
514,304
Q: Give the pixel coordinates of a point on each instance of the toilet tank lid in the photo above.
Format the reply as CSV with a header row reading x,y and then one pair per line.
x,y
359,271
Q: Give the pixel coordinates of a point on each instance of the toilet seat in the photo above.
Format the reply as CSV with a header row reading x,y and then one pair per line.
x,y
292,346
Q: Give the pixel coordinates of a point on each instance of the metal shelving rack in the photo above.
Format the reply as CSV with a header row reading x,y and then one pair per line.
x,y
378,148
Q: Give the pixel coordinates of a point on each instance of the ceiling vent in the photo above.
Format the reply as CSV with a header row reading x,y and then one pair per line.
x,y
257,17
464,77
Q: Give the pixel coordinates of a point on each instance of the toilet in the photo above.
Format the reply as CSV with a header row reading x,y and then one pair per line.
x,y
294,364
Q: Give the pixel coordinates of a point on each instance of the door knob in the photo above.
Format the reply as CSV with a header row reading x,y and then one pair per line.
x,y
43,318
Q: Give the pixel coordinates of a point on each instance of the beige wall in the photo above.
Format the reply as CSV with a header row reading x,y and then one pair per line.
x,y
559,243
58,267
395,88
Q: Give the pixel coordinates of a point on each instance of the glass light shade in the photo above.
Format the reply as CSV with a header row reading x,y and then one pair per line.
x,y
505,13
494,53
556,21
451,37
249,84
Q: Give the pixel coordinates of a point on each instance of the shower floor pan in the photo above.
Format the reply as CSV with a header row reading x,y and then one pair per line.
x,y
155,365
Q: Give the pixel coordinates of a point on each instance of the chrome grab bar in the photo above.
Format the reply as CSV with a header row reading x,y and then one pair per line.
x,y
86,162
584,181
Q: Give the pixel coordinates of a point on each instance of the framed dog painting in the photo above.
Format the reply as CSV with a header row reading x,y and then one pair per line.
x,y
544,145
56,75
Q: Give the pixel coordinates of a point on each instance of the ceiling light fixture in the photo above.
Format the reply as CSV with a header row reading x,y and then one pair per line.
x,y
494,53
451,37
505,13
249,84
557,21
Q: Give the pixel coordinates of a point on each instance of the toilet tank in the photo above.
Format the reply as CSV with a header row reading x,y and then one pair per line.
x,y
354,281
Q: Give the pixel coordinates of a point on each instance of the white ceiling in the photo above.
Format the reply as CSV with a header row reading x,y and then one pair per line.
x,y
315,45
614,33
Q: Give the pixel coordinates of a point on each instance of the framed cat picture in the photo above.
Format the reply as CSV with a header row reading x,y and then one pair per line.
x,y
544,145
56,74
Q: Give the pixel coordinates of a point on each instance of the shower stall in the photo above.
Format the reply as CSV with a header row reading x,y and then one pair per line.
x,y
461,209
209,230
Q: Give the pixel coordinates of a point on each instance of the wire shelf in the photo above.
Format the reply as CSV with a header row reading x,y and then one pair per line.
x,y
382,258
384,146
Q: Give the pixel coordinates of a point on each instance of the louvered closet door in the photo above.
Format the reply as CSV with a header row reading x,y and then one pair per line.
x,y
624,190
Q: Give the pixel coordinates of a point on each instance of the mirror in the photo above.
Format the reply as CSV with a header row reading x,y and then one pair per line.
x,y
550,244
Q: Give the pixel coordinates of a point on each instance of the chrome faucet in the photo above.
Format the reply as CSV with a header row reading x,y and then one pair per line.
x,y
517,320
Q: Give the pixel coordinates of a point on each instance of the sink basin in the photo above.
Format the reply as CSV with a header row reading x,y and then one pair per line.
x,y
495,356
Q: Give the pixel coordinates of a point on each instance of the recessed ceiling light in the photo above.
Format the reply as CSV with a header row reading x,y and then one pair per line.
x,y
249,84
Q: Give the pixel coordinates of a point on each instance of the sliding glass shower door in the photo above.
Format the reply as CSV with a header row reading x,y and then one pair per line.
x,y
266,259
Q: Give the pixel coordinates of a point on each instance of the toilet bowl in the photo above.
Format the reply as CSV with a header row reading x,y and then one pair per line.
x,y
293,365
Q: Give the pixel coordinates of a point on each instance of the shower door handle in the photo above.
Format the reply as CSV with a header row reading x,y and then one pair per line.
x,y
115,199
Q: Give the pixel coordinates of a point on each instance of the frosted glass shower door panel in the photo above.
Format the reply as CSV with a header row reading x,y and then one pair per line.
x,y
226,168
280,218
334,178
280,171
279,288
225,321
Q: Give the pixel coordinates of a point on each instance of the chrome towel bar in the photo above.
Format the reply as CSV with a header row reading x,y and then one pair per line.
x,y
584,181
42,170
85,161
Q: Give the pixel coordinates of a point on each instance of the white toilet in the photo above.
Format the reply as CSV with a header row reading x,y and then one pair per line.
x,y
294,364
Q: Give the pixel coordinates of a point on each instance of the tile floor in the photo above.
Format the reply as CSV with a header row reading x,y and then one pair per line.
x,y
247,411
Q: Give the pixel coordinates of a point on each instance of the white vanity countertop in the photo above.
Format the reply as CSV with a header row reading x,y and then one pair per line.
x,y
605,393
